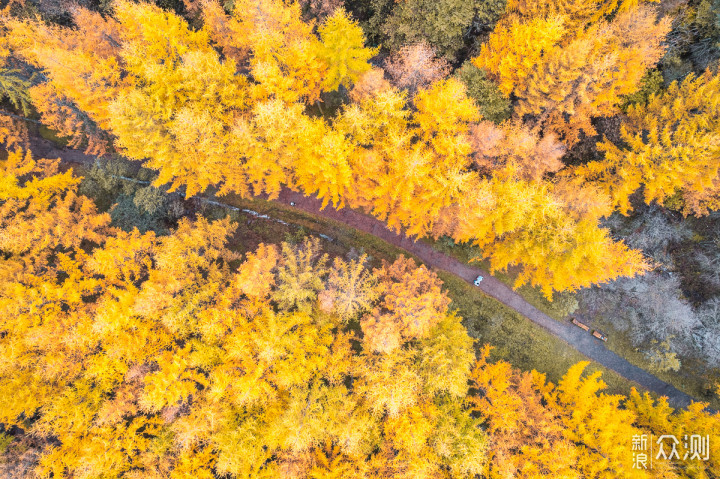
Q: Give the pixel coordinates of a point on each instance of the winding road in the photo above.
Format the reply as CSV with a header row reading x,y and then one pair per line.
x,y
572,335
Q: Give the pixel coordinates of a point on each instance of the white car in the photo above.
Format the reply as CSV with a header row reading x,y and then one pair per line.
x,y
478,280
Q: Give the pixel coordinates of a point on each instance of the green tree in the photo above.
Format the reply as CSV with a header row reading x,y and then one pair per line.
x,y
14,87
443,24
493,105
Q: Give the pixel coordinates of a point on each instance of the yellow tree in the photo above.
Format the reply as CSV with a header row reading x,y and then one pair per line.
x,y
378,124
587,77
13,133
300,271
281,146
525,224
43,225
83,63
343,50
595,421
412,305
670,146
696,420
202,120
441,151
566,64
571,429
41,211
274,44
180,113
146,76
516,47
528,437
409,167
576,13
284,57
323,165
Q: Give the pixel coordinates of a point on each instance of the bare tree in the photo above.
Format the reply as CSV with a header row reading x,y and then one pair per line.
x,y
320,9
651,229
650,308
415,66
708,337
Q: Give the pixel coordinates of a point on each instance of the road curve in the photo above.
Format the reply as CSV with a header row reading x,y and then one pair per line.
x,y
573,336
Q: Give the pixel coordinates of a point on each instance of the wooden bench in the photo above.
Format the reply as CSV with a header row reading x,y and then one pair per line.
x,y
599,335
580,325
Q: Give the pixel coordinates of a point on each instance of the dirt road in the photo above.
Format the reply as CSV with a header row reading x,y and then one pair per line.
x,y
573,336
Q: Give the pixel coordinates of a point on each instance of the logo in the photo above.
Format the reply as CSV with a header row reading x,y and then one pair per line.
x,y
668,448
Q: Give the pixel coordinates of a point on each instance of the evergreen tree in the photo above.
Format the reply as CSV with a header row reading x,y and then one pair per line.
x,y
443,24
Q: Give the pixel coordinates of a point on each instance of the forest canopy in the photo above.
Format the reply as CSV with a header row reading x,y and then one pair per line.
x,y
118,360
572,145
225,106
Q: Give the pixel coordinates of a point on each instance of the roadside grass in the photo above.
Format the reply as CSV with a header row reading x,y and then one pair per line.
x,y
557,309
688,378
514,338
52,135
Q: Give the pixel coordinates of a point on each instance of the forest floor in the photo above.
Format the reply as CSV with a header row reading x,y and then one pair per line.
x,y
573,336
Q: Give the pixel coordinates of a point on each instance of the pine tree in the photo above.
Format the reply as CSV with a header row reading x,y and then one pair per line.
x,y
443,24
492,104
15,88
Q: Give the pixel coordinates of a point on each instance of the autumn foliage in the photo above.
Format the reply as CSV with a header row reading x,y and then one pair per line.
x,y
148,355
119,360
670,147
134,363
572,429
429,165
564,70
